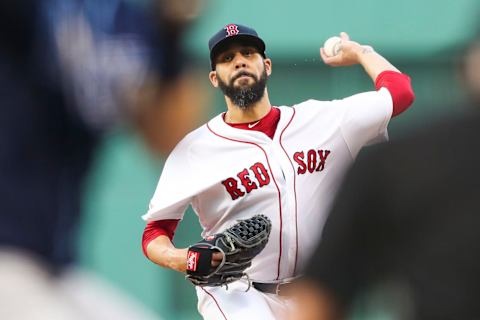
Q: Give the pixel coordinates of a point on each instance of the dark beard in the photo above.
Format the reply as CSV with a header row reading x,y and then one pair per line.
x,y
246,96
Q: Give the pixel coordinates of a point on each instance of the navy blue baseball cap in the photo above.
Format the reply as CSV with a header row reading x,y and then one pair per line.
x,y
232,33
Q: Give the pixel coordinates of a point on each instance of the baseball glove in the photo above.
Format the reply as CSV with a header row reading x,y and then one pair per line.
x,y
239,244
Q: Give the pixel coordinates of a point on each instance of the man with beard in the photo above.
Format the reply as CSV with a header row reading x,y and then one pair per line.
x,y
283,162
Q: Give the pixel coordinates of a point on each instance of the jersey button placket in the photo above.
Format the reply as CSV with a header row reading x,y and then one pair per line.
x,y
289,220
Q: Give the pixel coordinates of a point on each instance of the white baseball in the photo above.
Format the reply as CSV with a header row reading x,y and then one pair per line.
x,y
332,46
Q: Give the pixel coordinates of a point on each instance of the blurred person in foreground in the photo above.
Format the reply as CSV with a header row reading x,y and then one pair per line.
x,y
403,236
69,71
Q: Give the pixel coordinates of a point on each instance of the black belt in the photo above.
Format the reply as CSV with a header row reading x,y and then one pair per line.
x,y
275,288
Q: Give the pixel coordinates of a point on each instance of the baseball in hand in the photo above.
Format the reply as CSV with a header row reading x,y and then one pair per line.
x,y
332,46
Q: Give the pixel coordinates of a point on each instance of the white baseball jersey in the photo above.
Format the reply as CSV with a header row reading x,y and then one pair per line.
x,y
227,174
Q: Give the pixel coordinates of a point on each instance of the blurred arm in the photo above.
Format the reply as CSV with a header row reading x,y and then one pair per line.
x,y
166,110
171,102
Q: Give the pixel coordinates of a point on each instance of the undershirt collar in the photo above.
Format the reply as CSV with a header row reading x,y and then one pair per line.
x,y
267,124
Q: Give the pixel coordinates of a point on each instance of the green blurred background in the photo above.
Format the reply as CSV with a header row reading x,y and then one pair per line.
x,y
422,38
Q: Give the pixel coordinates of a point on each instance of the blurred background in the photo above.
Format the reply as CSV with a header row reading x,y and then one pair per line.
x,y
424,39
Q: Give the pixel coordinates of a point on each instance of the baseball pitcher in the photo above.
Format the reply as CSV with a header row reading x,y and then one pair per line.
x,y
261,178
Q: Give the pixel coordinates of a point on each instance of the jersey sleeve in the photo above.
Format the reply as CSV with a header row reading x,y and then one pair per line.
x,y
400,87
174,192
365,118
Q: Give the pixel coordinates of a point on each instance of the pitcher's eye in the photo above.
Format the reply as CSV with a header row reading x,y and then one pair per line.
x,y
228,58
247,52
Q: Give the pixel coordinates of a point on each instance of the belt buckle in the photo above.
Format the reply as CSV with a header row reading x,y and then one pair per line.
x,y
277,289
285,282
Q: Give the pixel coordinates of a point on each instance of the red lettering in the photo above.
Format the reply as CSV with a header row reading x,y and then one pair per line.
x,y
322,154
232,187
311,163
311,160
261,174
298,157
245,179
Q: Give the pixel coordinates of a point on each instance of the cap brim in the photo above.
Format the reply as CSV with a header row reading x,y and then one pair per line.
x,y
241,38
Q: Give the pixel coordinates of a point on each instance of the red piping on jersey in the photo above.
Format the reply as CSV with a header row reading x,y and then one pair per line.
x,y
294,192
276,185
216,302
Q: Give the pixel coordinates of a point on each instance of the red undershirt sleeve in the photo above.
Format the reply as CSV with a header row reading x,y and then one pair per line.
x,y
154,229
400,88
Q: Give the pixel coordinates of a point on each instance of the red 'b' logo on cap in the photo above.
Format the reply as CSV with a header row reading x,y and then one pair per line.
x,y
232,30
